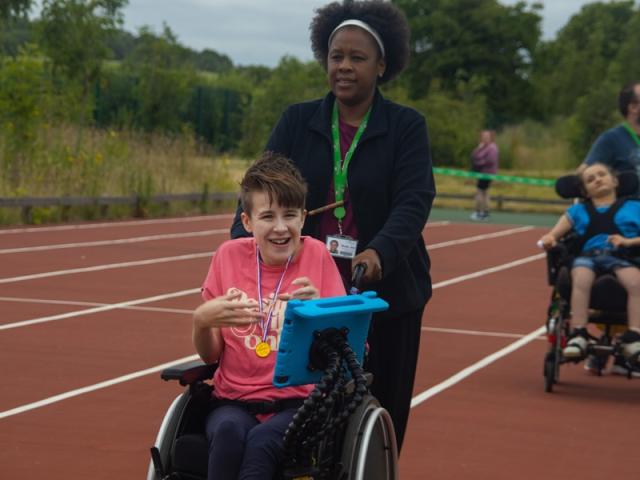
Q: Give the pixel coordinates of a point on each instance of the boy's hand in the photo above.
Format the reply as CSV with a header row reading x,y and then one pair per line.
x,y
307,291
370,258
548,241
227,311
618,241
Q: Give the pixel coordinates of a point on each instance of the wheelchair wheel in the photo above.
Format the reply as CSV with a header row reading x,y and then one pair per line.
x,y
167,433
370,451
550,371
552,359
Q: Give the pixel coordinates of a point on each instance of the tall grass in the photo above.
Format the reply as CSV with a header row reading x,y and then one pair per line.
x,y
122,162
113,163
535,147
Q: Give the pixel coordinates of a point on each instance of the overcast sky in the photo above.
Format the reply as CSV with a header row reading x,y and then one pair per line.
x,y
262,31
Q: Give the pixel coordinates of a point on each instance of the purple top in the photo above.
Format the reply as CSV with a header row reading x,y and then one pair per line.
x,y
485,159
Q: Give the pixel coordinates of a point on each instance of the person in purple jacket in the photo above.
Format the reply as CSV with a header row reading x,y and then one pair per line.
x,y
484,159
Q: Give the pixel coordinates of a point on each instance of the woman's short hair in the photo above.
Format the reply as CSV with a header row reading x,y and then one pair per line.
x,y
384,17
276,176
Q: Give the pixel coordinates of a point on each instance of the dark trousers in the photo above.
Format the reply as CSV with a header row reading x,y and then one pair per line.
x,y
394,341
240,447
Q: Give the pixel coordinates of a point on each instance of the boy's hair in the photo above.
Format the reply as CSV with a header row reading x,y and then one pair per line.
x,y
278,177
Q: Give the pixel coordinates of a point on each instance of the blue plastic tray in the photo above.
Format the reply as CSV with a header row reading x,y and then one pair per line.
x,y
302,318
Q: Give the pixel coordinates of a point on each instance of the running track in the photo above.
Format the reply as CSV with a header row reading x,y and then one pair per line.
x,y
91,314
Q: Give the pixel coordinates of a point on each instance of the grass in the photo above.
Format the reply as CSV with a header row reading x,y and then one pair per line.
x,y
67,161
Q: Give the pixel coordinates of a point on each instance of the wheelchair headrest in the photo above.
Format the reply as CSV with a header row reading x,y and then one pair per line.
x,y
570,186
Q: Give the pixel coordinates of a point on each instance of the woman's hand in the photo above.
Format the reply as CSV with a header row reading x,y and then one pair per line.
x,y
618,241
370,258
548,241
227,311
307,291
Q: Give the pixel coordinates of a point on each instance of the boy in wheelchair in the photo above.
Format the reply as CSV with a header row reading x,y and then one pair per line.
x,y
607,230
246,290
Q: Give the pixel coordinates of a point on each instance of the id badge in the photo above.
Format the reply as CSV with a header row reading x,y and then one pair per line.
x,y
341,246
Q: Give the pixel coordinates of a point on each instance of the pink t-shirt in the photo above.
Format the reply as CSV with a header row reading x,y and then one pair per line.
x,y
241,374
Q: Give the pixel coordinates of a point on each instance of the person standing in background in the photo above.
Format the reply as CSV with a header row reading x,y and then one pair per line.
x,y
484,159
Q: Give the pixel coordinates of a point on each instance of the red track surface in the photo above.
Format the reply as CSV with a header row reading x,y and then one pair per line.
x,y
494,423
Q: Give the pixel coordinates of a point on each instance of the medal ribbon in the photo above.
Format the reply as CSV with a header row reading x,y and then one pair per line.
x,y
340,166
266,324
633,134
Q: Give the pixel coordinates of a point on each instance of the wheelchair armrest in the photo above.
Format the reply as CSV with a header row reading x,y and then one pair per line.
x,y
190,372
557,257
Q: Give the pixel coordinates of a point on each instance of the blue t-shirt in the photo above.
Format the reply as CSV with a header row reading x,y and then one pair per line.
x,y
617,149
627,219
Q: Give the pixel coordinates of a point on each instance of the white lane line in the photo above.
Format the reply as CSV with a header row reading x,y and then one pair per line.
x,y
94,304
183,311
56,273
415,401
107,266
476,238
137,223
487,271
120,241
93,388
478,333
488,360
105,308
445,283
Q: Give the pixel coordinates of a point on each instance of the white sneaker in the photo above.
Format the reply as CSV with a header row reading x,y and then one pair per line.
x,y
619,369
476,216
576,347
630,349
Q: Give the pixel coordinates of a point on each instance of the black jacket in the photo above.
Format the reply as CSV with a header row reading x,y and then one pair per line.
x,y
390,182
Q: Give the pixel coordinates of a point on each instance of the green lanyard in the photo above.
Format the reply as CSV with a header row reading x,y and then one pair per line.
x,y
340,171
633,134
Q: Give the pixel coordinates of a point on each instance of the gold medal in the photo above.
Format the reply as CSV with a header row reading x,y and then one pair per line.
x,y
263,349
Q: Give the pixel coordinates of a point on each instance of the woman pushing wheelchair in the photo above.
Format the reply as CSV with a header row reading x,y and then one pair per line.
x,y
608,228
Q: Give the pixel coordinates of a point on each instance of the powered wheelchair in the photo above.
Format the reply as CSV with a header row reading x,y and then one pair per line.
x,y
340,432
608,300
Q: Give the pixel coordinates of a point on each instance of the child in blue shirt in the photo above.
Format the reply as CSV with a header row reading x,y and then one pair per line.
x,y
601,252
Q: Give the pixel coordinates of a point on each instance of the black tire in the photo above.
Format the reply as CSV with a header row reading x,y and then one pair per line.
x,y
550,371
369,450
168,430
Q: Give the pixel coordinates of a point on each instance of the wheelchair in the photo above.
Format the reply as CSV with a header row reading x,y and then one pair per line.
x,y
339,433
608,300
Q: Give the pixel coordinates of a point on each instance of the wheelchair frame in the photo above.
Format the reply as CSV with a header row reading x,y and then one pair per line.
x,y
559,314
366,444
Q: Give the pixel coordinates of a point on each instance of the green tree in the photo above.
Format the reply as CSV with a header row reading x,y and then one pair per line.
x,y
626,67
73,34
481,41
577,62
24,95
165,80
11,8
290,82
212,61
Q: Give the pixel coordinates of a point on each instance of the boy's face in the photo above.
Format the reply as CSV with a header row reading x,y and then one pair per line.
x,y
276,229
598,181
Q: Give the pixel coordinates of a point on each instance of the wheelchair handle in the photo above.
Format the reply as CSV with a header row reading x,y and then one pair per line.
x,y
356,278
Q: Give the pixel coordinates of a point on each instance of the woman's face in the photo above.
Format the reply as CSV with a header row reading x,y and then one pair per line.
x,y
353,66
